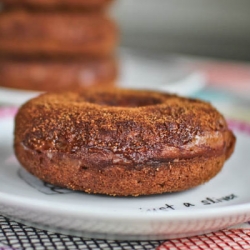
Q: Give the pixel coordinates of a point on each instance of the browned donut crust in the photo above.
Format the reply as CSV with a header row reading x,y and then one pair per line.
x,y
55,34
57,4
122,142
69,75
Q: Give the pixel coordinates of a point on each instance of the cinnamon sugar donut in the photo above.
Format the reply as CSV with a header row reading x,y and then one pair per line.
x,y
57,4
122,142
54,75
56,34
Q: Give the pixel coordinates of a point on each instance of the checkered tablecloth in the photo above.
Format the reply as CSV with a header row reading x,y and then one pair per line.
x,y
222,240
14,235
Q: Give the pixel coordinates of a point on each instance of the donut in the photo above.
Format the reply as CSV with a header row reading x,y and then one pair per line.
x,y
57,4
67,75
56,34
121,142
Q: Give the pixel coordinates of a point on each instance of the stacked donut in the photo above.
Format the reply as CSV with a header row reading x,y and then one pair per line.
x,y
50,45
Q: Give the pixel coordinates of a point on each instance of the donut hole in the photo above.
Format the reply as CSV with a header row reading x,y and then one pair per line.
x,y
124,100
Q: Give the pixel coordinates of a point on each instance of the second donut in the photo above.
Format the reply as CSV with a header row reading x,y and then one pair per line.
x,y
56,34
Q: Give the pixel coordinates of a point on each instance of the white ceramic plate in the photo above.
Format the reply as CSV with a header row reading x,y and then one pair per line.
x,y
222,202
138,70
141,69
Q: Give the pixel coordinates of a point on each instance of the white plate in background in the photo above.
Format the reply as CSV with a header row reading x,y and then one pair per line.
x,y
141,69
15,97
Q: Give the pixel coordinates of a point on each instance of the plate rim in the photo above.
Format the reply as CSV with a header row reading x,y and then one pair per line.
x,y
131,215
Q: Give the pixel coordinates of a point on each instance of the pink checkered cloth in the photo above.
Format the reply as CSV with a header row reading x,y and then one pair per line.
x,y
7,112
234,239
229,76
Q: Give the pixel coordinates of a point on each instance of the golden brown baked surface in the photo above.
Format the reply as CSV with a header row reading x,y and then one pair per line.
x,y
122,142
57,4
56,34
54,75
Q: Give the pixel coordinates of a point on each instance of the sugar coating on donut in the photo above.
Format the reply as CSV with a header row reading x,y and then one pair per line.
x,y
122,142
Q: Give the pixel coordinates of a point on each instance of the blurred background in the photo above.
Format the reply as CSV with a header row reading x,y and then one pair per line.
x,y
214,36
211,28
